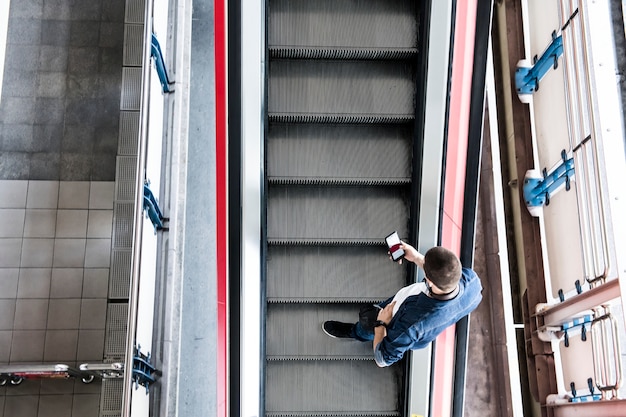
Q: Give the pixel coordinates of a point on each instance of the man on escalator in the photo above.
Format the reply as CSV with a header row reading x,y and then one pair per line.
x,y
418,313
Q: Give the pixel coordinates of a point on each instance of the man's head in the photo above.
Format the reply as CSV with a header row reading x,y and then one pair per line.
x,y
443,268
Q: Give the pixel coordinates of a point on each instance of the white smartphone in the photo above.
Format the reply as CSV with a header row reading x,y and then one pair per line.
x,y
393,243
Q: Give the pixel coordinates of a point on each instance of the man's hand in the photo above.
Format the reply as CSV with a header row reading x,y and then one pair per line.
x,y
411,254
386,314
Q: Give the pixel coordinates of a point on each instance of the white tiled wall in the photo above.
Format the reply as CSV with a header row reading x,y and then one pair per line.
x,y
55,248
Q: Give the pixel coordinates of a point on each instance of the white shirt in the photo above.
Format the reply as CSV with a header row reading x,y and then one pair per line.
x,y
406,292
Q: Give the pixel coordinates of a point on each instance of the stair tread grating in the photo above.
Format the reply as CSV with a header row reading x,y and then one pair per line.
x,y
323,300
338,181
319,358
298,385
337,118
339,170
334,414
341,53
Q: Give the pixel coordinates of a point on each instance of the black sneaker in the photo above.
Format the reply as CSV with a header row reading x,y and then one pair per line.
x,y
338,329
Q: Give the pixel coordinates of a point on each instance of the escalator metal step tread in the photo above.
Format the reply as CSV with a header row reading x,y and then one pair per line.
x,y
324,300
341,53
291,117
296,330
370,154
278,358
336,414
338,181
356,23
325,242
331,274
379,88
331,387
339,145
335,212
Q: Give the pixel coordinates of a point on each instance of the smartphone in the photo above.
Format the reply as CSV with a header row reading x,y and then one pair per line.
x,y
393,243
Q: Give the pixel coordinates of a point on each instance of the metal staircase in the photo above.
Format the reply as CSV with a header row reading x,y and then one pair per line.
x,y
341,112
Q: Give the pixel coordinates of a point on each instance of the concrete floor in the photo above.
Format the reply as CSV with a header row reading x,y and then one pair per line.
x,y
59,114
59,128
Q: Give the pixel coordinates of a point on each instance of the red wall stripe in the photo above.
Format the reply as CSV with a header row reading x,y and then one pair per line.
x,y
222,204
456,155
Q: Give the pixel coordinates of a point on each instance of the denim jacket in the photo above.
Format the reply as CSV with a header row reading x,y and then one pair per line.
x,y
420,319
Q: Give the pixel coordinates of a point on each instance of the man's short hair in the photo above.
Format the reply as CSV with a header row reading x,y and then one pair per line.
x,y
442,267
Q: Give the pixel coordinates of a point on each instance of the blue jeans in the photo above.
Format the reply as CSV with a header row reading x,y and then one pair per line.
x,y
361,334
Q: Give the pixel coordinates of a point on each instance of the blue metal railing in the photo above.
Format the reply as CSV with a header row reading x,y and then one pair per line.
x,y
159,64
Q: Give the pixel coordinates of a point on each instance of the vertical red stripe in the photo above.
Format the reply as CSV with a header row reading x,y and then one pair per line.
x,y
456,155
222,205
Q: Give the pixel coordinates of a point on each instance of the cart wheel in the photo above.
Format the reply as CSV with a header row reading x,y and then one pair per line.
x,y
88,380
16,380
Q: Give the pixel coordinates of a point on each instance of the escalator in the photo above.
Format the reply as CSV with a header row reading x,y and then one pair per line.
x,y
340,175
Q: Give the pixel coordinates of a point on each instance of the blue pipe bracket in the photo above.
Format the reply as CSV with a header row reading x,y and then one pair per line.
x,y
159,64
539,189
527,78
575,325
586,397
152,209
143,371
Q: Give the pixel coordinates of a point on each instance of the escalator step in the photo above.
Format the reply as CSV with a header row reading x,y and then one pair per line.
x,y
342,88
296,331
335,414
340,118
360,181
348,154
367,357
285,52
354,387
333,214
331,274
